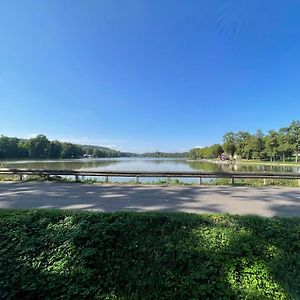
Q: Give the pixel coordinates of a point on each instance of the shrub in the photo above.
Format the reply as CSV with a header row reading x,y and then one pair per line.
x,y
48,254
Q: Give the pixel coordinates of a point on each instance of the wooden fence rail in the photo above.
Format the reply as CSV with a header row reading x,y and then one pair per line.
x,y
137,174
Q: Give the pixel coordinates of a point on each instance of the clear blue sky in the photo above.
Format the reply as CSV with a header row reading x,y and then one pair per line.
x,y
148,75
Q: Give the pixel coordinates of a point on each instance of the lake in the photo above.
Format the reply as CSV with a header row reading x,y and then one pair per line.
x,y
144,164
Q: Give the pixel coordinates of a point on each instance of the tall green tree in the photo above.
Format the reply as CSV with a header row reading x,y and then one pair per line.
x,y
54,149
250,147
10,147
229,144
285,148
38,147
259,151
240,138
214,151
294,131
71,151
271,142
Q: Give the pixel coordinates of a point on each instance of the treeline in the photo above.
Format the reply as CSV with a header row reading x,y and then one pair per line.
x,y
210,152
283,144
41,147
165,154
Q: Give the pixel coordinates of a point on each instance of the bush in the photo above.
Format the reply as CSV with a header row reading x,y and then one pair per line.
x,y
48,254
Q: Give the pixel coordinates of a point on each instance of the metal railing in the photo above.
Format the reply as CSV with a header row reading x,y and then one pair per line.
x,y
47,173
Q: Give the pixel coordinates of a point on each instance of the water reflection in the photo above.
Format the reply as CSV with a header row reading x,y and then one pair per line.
x,y
145,164
223,167
60,165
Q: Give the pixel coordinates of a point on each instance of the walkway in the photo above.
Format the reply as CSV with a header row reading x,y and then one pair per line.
x,y
264,201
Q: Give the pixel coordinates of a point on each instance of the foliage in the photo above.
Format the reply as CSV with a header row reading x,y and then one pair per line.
x,y
213,151
275,145
12,148
165,154
77,255
40,147
229,145
256,182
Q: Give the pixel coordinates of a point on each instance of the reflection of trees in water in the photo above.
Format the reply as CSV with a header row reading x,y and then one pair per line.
x,y
86,164
64,165
214,167
149,164
205,166
164,161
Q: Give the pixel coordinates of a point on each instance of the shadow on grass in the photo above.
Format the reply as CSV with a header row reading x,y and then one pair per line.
x,y
54,254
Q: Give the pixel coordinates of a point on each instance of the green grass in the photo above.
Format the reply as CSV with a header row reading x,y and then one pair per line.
x,y
48,254
256,182
253,162
268,163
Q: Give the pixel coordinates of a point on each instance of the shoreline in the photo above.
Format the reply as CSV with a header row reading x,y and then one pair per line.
x,y
247,162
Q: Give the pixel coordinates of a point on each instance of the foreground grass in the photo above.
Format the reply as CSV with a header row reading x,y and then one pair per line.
x,y
48,254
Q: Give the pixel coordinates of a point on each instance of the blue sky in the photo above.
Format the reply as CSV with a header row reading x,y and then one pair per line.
x,y
148,75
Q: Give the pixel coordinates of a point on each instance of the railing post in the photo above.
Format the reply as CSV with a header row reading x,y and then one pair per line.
x,y
21,174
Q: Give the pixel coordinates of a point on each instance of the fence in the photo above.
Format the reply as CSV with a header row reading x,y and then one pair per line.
x,y
137,174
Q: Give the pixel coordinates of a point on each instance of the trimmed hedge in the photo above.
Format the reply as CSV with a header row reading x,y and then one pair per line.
x,y
48,254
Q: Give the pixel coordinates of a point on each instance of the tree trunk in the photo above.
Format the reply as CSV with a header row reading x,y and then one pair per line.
x,y
296,158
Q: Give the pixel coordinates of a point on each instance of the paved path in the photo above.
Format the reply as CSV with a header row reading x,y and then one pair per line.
x,y
265,201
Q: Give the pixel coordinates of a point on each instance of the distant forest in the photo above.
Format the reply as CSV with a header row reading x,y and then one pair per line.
x,y
283,144
166,154
40,147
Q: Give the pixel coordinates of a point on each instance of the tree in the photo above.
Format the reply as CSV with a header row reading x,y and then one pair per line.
x,y
71,151
9,147
229,145
98,153
259,151
214,151
38,147
196,153
240,138
285,148
250,147
294,132
271,142
41,147
54,149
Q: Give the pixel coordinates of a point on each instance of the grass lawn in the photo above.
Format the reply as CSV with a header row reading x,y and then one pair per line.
x,y
269,163
51,254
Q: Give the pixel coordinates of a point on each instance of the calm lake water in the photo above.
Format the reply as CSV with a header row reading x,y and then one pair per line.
x,y
143,164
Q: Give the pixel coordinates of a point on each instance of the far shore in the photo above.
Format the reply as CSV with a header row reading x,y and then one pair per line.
x,y
245,161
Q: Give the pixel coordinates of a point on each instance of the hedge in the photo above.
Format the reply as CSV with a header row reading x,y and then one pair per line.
x,y
51,254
